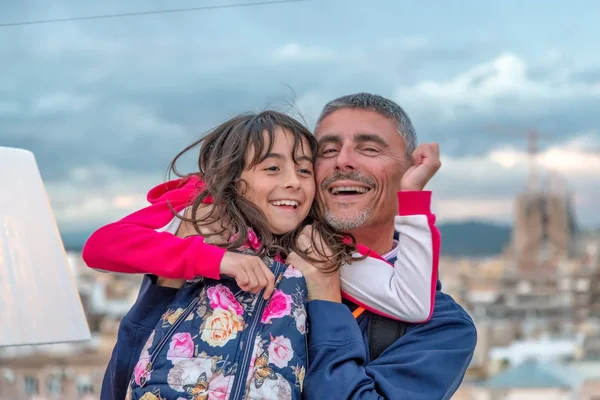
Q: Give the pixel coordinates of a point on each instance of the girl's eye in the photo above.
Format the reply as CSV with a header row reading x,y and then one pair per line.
x,y
272,169
306,171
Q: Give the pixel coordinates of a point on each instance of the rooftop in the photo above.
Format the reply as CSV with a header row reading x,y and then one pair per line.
x,y
535,375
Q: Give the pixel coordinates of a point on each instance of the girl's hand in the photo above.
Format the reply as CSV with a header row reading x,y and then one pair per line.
x,y
250,273
321,285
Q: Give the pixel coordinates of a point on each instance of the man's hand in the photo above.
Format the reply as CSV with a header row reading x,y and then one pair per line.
x,y
249,272
321,285
426,162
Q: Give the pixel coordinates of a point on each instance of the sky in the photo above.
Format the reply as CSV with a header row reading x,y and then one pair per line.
x,y
105,104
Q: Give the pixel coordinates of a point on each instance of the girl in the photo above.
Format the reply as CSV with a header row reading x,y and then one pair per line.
x,y
217,339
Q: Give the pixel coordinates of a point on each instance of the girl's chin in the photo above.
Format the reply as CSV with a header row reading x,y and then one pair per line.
x,y
283,228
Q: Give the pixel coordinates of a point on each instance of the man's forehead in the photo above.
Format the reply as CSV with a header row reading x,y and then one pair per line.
x,y
349,124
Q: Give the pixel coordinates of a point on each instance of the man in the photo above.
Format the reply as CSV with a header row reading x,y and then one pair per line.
x,y
367,138
362,137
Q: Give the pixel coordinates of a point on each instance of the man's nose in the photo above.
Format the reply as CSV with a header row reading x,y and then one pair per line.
x,y
345,159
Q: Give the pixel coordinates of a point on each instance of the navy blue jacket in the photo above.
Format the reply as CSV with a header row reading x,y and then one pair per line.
x,y
428,362
134,331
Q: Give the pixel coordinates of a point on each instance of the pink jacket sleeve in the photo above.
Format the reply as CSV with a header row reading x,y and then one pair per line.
x,y
137,244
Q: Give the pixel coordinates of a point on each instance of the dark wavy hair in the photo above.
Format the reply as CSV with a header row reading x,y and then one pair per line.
x,y
222,160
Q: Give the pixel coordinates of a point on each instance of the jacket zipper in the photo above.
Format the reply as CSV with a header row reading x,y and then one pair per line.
x,y
240,380
166,337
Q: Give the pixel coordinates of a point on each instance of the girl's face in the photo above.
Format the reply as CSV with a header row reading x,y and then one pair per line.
x,y
283,189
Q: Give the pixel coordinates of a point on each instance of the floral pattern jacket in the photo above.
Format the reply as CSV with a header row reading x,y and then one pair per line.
x,y
217,342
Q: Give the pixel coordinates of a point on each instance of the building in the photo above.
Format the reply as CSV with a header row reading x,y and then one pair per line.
x,y
531,380
542,292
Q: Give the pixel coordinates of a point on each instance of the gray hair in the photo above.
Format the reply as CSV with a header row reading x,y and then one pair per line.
x,y
380,105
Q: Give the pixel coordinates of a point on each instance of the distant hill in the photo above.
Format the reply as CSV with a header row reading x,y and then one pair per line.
x,y
472,238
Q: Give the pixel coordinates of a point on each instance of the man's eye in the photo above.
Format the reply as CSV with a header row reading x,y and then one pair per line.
x,y
328,151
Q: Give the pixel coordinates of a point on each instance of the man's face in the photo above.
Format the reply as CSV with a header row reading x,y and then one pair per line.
x,y
360,163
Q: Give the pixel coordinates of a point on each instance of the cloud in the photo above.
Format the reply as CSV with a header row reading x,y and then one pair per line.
x,y
92,197
105,105
405,43
487,88
60,102
468,208
485,186
294,52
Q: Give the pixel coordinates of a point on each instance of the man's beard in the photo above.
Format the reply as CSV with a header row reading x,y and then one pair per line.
x,y
344,222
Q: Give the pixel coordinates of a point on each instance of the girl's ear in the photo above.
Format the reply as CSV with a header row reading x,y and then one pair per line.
x,y
241,186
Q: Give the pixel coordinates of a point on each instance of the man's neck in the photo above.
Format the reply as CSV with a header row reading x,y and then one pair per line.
x,y
376,237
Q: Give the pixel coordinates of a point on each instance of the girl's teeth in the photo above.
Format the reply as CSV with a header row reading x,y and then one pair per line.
x,y
285,203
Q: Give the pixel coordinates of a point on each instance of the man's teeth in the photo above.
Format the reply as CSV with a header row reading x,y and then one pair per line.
x,y
352,189
292,203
